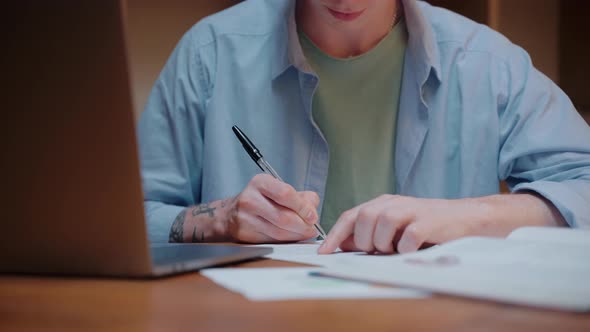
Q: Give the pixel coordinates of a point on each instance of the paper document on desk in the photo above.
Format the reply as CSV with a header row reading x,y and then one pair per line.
x,y
292,283
540,267
306,253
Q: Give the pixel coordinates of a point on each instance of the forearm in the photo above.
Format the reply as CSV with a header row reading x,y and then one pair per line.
x,y
501,214
202,223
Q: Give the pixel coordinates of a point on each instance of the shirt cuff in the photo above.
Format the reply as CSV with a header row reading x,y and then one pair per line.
x,y
573,205
160,218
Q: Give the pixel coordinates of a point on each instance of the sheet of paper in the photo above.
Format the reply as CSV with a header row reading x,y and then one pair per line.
x,y
513,271
273,284
563,236
306,253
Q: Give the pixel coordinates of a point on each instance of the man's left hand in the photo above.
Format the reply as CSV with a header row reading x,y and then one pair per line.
x,y
393,223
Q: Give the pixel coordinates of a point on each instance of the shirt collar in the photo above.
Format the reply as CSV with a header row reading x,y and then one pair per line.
x,y
290,52
422,46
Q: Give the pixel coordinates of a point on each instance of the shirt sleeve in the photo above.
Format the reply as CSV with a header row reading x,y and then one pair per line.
x,y
171,140
545,143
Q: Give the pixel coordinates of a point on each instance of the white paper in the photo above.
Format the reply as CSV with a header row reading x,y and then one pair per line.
x,y
515,271
306,253
559,236
273,284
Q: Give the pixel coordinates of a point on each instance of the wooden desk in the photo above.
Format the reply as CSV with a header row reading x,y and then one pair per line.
x,y
192,302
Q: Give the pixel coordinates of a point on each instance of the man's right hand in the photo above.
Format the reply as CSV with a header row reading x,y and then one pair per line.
x,y
269,210
266,211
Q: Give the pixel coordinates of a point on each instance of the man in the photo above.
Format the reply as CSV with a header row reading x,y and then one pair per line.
x,y
407,99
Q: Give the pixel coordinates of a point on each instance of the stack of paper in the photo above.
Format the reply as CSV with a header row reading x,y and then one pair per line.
x,y
271,284
540,267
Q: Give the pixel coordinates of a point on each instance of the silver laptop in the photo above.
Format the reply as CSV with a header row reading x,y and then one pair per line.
x,y
71,191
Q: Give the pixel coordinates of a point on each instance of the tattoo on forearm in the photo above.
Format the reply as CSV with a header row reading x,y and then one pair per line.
x,y
176,232
204,208
195,239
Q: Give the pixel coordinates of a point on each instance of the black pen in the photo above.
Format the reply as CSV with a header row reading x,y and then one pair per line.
x,y
255,154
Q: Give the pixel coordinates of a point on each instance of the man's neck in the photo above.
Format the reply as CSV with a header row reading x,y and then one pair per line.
x,y
346,39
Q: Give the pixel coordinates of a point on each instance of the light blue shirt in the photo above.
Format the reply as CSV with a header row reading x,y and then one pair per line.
x,y
473,111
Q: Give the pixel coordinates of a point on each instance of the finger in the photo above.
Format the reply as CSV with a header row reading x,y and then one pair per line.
x,y
311,196
282,217
340,231
414,235
244,229
385,231
422,234
390,227
281,234
344,227
364,227
348,244
285,195
264,230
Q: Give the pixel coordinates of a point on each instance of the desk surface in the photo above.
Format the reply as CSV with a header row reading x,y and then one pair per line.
x,y
193,302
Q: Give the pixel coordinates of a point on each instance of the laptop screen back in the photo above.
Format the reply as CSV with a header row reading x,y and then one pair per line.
x,y
71,192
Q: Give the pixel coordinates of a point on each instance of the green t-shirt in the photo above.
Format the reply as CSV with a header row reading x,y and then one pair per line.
x,y
356,106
